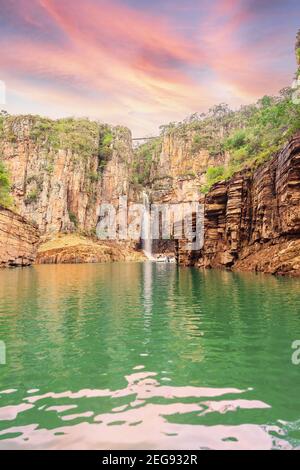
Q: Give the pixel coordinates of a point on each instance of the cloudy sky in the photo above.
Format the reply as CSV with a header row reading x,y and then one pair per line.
x,y
142,63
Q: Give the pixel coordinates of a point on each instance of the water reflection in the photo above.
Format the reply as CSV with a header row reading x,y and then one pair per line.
x,y
175,357
140,423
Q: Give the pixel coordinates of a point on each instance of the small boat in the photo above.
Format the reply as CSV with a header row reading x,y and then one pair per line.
x,y
165,259
161,259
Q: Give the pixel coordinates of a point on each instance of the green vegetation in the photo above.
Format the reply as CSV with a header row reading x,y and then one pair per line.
x,y
107,139
269,125
34,185
142,165
5,197
242,138
237,140
145,158
105,149
1,123
94,176
197,144
73,218
49,167
213,175
31,197
2,120
81,136
250,135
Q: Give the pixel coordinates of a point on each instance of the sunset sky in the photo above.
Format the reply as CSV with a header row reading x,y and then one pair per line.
x,y
143,63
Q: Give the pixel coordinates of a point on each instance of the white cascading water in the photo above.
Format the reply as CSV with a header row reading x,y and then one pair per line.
x,y
146,228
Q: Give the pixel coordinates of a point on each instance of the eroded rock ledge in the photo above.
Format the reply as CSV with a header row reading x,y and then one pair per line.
x,y
18,240
252,221
76,249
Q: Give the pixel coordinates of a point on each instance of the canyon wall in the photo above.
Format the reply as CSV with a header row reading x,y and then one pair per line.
x,y
60,171
18,240
179,168
60,177
252,221
183,156
178,171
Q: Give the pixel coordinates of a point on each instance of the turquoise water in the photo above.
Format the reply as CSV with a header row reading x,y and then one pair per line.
x,y
145,356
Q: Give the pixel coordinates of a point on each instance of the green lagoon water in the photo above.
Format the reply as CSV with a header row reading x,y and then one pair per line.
x,y
148,356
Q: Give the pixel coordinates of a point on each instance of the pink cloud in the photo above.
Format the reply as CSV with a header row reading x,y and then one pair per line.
x,y
135,64
245,67
111,50
110,23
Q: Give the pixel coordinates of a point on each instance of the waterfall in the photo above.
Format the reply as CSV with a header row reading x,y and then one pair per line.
x,y
146,228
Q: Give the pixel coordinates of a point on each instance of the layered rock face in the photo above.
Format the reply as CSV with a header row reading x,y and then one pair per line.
x,y
18,240
60,172
75,249
59,188
178,171
181,157
252,221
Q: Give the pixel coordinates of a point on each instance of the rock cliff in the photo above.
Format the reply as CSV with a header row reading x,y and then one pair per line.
x,y
252,221
61,170
182,157
18,240
76,249
179,165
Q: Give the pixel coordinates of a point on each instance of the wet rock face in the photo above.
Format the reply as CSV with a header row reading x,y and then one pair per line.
x,y
252,221
18,240
57,188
